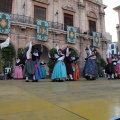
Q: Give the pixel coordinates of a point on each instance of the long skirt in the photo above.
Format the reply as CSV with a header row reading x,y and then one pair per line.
x,y
29,69
90,68
117,69
43,71
18,73
76,73
110,69
38,71
59,71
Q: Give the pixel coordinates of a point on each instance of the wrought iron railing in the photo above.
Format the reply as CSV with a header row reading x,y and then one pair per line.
x,y
54,25
91,33
29,20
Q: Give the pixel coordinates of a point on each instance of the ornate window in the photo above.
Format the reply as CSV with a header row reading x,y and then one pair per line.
x,y
6,6
39,13
68,20
92,26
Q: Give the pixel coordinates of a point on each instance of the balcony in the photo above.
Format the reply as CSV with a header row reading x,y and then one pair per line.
x,y
21,19
90,33
15,18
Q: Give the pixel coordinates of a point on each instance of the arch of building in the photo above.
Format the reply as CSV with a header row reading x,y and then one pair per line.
x,y
71,48
44,44
44,55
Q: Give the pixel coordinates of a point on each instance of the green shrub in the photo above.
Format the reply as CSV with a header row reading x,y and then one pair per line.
x,y
51,62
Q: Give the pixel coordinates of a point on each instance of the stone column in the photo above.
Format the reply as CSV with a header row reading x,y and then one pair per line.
x,y
102,21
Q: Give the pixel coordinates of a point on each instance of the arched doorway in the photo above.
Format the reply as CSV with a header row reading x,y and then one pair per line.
x,y
44,55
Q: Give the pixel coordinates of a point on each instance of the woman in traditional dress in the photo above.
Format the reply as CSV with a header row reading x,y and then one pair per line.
x,y
114,61
76,71
59,72
42,63
35,57
117,68
90,70
18,73
29,70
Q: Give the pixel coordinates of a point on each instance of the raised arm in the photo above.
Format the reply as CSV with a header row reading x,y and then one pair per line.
x,y
6,43
29,50
67,52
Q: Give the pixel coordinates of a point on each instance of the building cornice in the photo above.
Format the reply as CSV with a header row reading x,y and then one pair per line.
x,y
43,1
69,8
117,8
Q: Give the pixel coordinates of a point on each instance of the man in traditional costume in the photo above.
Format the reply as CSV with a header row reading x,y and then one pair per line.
x,y
109,69
69,67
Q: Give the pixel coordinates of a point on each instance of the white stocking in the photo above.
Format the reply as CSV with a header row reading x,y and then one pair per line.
x,y
26,78
71,77
112,75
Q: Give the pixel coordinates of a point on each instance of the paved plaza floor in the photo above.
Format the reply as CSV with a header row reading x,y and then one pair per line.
x,y
70,100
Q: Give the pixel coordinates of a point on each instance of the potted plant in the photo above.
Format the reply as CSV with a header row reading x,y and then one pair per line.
x,y
51,62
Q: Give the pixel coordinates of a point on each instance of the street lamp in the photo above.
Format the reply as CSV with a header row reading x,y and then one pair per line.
x,y
56,14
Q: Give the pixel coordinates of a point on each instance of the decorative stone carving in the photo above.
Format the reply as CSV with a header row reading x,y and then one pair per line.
x,y
92,15
68,7
92,6
42,1
81,4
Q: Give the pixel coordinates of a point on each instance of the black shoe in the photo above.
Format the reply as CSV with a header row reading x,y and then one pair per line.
x,y
27,80
33,80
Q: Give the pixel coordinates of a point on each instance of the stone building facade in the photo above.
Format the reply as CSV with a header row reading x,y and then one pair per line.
x,y
117,9
85,15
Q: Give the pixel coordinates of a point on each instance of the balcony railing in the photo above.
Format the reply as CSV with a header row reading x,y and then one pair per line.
x,y
16,18
91,33
29,20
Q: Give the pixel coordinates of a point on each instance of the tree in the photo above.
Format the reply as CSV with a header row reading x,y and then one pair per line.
x,y
22,54
8,55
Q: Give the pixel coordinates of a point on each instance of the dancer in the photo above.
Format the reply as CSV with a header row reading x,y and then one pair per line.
x,y
110,69
76,71
90,71
35,57
29,69
69,65
43,69
117,68
18,74
59,71
114,61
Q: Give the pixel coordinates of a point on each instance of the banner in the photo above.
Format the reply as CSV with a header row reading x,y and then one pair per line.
x,y
71,34
5,20
96,39
42,30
